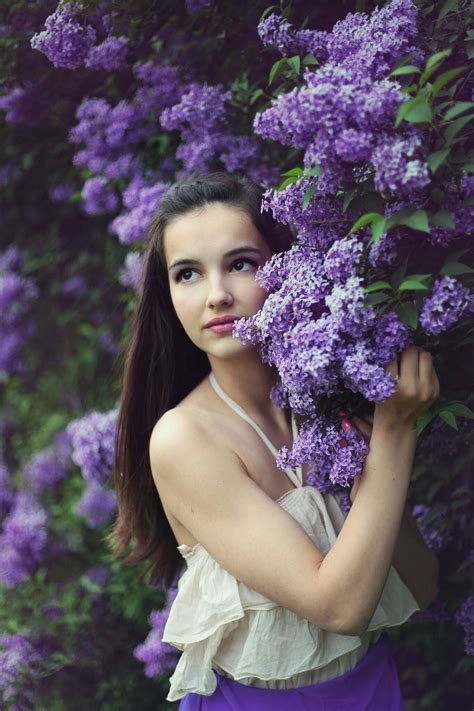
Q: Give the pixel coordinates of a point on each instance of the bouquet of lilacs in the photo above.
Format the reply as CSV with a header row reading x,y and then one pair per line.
x,y
356,289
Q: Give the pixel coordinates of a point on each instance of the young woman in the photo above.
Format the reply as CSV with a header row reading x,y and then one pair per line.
x,y
284,599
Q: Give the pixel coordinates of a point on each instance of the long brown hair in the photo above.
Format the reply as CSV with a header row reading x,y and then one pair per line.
x,y
161,366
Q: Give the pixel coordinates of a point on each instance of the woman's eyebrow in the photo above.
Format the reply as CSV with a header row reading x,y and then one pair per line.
x,y
236,250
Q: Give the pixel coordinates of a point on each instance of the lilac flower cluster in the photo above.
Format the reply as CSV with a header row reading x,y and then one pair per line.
x,y
97,504
92,439
433,536
23,104
19,657
132,271
66,39
16,294
23,539
111,54
48,467
465,617
141,201
275,31
315,328
99,196
158,657
344,112
448,303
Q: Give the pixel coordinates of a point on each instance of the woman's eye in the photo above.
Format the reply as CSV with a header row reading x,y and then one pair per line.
x,y
180,275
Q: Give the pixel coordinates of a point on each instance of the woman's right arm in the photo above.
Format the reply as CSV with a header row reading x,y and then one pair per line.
x,y
207,489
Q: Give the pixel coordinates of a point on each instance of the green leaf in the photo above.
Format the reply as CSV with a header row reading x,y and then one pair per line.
x,y
278,68
364,220
417,220
455,268
256,94
449,418
455,127
289,181
447,7
408,69
459,409
412,284
459,108
295,63
376,286
310,59
308,195
416,110
294,171
373,299
423,421
348,197
434,160
313,172
445,78
378,227
407,313
436,58
443,218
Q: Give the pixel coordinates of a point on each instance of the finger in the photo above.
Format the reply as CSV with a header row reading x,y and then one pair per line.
x,y
426,369
409,365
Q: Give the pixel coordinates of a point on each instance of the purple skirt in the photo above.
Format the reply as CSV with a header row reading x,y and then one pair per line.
x,y
372,685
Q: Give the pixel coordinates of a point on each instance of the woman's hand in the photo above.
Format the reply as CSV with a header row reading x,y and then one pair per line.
x,y
364,426
416,390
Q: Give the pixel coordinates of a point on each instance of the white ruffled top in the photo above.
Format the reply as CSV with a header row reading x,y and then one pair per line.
x,y
222,625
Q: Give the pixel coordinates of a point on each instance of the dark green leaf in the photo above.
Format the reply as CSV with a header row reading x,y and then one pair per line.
x,y
459,108
407,313
456,126
295,63
437,58
423,421
348,196
449,418
308,195
278,68
444,78
313,172
409,69
294,171
459,409
412,284
373,299
376,286
443,218
434,160
378,228
364,220
417,220
416,110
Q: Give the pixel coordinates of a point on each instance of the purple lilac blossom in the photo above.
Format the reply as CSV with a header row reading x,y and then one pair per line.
x,y
23,105
16,294
47,468
448,302
433,537
132,226
96,504
111,54
66,40
160,87
62,192
276,31
397,169
19,656
98,196
132,272
465,617
74,286
92,439
23,539
158,657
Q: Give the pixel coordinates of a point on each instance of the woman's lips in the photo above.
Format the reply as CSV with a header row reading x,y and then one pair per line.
x,y
222,327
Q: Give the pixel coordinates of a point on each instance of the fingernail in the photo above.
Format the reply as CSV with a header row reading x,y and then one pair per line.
x,y
346,424
342,413
343,443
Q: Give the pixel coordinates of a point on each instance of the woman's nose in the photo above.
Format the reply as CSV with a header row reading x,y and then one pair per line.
x,y
218,292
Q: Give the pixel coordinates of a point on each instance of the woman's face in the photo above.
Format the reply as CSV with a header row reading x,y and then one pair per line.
x,y
210,282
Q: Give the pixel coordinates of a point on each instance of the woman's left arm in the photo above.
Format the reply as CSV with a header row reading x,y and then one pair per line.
x,y
413,560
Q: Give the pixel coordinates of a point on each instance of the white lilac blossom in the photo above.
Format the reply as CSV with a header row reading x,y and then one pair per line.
x,y
23,539
66,40
92,440
448,303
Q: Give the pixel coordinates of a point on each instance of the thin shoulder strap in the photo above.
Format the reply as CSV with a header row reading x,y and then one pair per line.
x,y
295,476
